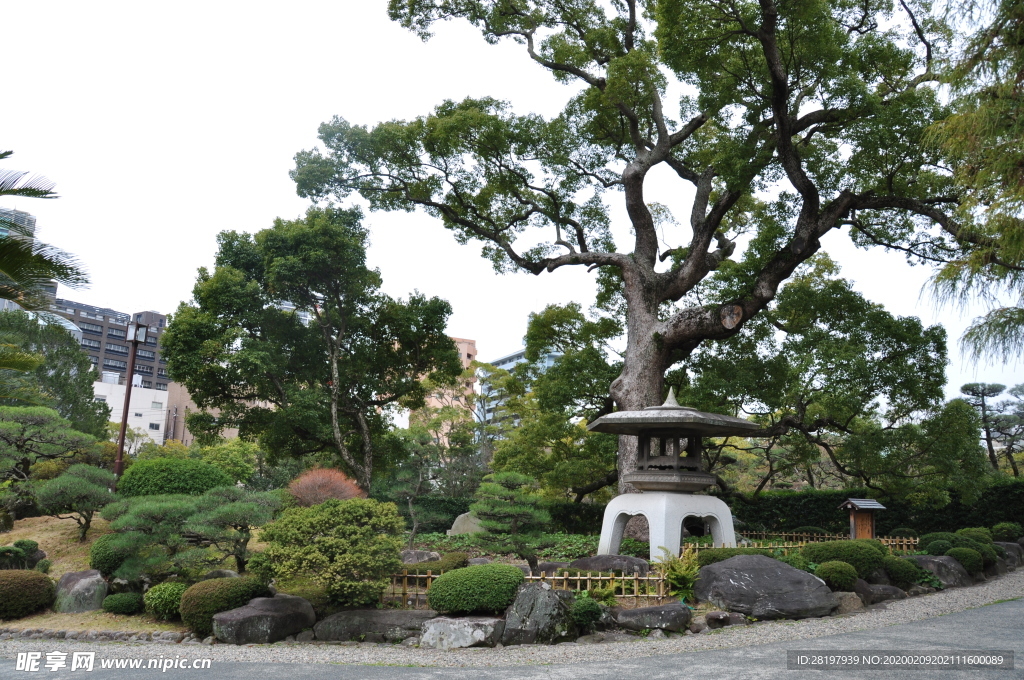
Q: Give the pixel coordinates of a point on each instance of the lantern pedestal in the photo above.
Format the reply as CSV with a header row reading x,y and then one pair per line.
x,y
665,512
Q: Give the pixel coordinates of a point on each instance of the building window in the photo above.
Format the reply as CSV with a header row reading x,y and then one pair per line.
x,y
468,355
138,415
142,369
91,328
154,426
116,333
115,364
94,360
157,405
147,384
93,344
117,349
161,372
100,397
151,340
145,354
161,386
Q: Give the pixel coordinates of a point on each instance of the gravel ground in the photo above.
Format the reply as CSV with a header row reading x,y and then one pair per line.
x,y
1007,587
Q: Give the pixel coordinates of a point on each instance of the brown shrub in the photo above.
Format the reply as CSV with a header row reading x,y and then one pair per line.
x,y
315,486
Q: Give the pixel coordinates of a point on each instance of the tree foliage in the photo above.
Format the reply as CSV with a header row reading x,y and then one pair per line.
x,y
292,340
511,516
79,493
227,516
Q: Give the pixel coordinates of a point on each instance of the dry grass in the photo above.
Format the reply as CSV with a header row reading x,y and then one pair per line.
x,y
59,538
96,620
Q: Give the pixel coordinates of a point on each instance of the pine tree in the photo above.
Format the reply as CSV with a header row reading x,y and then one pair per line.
x,y
511,514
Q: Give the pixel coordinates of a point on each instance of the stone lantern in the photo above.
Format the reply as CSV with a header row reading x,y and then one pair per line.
x,y
668,472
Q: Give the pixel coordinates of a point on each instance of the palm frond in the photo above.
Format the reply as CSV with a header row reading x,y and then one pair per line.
x,y
18,183
27,267
13,358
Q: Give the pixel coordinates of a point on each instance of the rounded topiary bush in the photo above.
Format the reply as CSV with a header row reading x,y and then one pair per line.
x,y
23,592
902,573
837,575
712,555
928,539
861,555
105,555
1007,531
26,546
979,534
11,557
985,549
44,565
482,588
971,559
882,548
123,603
903,532
938,548
171,476
163,600
200,602
585,612
795,560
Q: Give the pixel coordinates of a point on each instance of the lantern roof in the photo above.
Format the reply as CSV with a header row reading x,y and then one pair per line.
x,y
671,416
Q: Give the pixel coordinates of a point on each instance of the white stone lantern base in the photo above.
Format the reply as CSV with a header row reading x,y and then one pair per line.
x,y
665,512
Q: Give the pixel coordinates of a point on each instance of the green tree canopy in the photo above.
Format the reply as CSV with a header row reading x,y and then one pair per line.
x,y
292,340
77,494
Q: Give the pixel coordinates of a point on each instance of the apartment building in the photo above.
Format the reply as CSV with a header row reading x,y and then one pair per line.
x,y
487,409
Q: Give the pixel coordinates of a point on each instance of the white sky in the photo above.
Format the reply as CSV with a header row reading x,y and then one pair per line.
x,y
163,125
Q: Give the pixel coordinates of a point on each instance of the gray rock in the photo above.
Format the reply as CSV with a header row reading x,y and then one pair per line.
x,y
465,523
997,569
394,625
479,560
918,589
1014,553
417,556
764,588
715,620
698,624
471,631
264,620
413,641
592,639
550,568
305,636
373,637
607,619
885,593
849,603
219,573
879,577
208,640
34,559
950,572
657,634
863,589
525,568
539,614
80,591
674,617
624,563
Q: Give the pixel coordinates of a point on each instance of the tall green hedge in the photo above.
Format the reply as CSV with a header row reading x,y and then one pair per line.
x,y
171,476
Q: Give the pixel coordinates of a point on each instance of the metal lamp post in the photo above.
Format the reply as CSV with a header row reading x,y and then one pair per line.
x,y
136,334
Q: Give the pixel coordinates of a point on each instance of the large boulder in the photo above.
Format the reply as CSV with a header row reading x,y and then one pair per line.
x,y
264,620
624,563
539,614
674,617
950,572
80,591
863,590
883,593
394,625
550,568
849,603
1014,553
997,569
764,588
471,631
465,523
879,577
417,556
33,558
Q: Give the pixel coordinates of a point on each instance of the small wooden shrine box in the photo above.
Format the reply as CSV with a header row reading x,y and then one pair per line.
x,y
862,516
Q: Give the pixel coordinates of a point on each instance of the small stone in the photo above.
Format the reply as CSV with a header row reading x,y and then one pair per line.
x,y
290,638
591,639
716,620
656,634
305,636
413,641
208,640
698,625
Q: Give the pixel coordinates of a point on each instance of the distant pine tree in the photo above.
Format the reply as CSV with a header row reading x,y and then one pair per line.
x,y
511,514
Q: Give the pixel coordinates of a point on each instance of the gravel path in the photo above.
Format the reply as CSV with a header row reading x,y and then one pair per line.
x,y
918,608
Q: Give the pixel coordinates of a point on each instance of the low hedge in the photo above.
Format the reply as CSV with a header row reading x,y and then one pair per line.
x,y
970,559
161,476
712,555
882,548
837,575
123,603
861,555
200,602
903,573
927,539
979,534
163,600
24,592
482,588
795,560
1007,531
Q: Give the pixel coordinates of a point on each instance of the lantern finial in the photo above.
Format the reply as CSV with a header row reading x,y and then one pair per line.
x,y
670,400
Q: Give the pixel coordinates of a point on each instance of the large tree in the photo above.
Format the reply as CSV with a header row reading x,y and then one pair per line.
x,y
292,341
793,121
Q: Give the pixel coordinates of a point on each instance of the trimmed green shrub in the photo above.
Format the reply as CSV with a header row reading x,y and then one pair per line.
x,y
11,557
1000,550
259,566
43,566
861,555
809,530
971,559
712,555
927,539
171,476
26,546
902,573
979,534
986,550
1007,531
795,560
585,611
350,547
24,592
105,555
200,602
449,561
939,547
903,532
163,600
481,588
124,603
837,575
882,548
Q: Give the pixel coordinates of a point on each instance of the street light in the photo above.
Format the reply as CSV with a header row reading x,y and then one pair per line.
x,y
136,334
